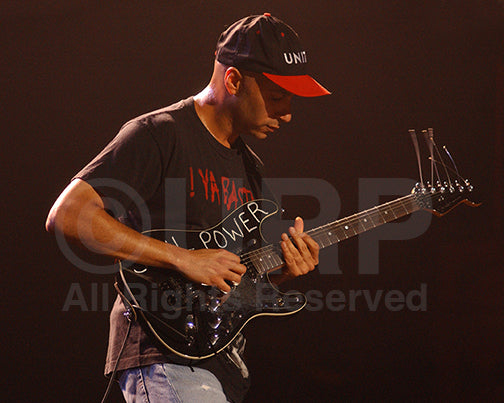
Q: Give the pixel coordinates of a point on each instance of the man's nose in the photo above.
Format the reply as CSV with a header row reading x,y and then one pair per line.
x,y
284,113
286,118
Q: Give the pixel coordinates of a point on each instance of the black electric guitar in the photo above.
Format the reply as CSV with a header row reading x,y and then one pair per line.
x,y
196,321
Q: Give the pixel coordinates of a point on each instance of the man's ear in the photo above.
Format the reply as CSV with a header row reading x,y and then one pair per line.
x,y
233,80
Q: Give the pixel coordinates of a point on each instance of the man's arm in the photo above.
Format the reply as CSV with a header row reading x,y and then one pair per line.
x,y
79,214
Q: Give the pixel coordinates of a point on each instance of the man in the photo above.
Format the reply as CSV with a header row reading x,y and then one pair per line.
x,y
259,66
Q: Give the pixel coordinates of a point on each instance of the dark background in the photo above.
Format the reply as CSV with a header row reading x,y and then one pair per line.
x,y
73,71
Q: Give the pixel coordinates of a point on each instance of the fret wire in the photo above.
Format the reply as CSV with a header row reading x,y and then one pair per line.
x,y
322,235
340,234
360,226
390,214
397,210
384,213
399,206
405,209
271,259
349,227
379,216
263,259
260,265
278,260
411,204
258,251
369,219
333,238
391,208
327,238
321,239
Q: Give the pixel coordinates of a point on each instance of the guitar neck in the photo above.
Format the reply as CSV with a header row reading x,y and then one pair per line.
x,y
337,231
270,258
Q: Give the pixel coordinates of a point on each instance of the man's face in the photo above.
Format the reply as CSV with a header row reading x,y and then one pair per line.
x,y
262,106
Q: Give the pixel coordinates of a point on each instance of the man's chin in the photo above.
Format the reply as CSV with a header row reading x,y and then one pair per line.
x,y
258,134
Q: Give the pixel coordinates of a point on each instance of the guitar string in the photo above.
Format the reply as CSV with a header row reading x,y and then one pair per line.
x,y
349,220
402,203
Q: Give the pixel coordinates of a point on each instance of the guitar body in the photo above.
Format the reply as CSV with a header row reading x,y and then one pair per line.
x,y
196,321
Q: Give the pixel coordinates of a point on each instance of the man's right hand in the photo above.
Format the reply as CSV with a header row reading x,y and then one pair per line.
x,y
211,267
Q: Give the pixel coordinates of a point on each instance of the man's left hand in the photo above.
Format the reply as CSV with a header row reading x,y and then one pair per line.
x,y
300,251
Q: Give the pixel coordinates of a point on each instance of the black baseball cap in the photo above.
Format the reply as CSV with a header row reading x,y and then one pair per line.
x,y
264,44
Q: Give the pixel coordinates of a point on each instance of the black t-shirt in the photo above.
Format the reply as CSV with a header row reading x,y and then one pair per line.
x,y
165,170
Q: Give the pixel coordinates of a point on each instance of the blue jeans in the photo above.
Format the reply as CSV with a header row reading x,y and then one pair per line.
x,y
170,383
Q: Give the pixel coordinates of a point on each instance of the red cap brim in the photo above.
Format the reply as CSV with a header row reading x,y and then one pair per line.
x,y
304,86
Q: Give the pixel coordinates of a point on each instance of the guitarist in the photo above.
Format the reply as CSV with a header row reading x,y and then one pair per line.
x,y
134,185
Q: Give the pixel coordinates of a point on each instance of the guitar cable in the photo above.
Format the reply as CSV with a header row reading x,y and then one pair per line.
x,y
131,316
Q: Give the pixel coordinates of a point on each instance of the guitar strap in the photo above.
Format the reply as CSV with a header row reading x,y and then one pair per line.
x,y
254,167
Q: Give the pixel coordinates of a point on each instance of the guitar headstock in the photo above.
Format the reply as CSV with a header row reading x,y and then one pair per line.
x,y
445,194
443,197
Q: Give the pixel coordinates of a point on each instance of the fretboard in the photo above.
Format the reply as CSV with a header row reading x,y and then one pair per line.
x,y
345,228
269,257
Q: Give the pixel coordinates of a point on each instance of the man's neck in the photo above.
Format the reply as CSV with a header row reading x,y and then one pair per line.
x,y
215,116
